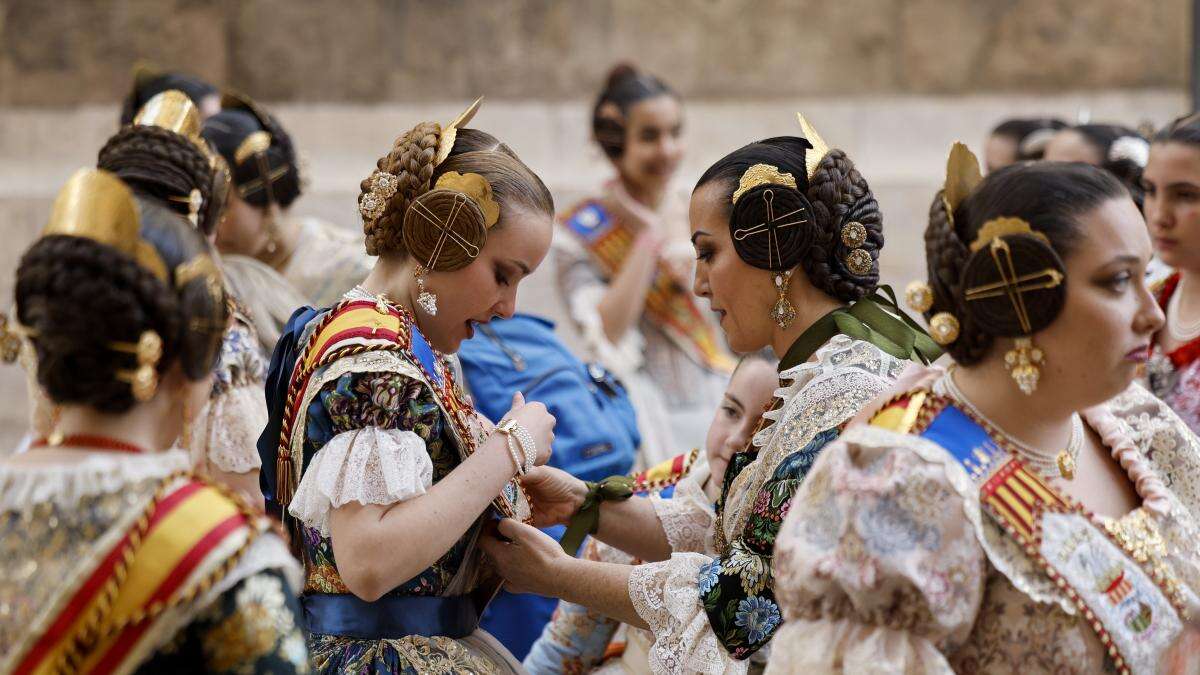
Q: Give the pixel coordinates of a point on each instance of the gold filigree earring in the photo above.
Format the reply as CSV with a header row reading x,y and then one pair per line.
x,y
782,312
425,298
1024,363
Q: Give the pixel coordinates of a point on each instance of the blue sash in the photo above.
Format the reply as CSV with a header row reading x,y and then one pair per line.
x,y
390,617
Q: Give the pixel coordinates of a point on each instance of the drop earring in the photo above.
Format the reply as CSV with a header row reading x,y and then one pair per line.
x,y
1024,362
425,298
782,312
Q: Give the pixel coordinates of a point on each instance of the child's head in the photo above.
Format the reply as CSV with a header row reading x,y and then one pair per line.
x,y
750,389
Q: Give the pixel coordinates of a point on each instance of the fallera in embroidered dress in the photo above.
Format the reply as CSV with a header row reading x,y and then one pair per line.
x,y
711,606
888,562
58,527
376,433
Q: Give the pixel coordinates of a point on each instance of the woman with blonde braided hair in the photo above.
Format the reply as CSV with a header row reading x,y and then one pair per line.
x,y
1031,509
371,439
787,234
117,557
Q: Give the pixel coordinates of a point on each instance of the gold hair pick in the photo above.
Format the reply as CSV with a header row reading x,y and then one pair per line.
x,y
143,72
477,188
962,175
96,205
450,132
762,174
1003,227
257,142
200,267
171,110
812,158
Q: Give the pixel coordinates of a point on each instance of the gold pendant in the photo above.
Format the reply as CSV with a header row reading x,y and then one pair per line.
x,y
1066,465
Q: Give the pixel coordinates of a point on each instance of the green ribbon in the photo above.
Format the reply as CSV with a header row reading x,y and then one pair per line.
x,y
877,319
587,519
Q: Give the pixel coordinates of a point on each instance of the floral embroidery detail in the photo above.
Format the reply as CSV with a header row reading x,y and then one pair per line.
x,y
709,576
888,527
751,568
759,616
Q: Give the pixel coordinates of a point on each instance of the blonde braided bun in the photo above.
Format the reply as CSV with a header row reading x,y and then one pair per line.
x,y
411,160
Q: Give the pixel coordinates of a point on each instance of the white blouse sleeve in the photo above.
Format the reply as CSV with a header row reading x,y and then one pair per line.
x,y
368,466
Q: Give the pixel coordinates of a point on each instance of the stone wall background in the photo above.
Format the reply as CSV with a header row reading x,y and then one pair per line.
x,y
893,82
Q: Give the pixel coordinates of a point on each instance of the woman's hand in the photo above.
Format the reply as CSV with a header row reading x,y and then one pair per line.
x,y
537,421
529,561
554,494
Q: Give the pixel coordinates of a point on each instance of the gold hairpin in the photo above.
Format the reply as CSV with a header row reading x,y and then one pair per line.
x,y
96,205
477,188
143,380
256,142
450,132
200,267
962,175
762,174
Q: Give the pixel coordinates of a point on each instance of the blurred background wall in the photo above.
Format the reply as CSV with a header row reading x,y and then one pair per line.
x,y
893,82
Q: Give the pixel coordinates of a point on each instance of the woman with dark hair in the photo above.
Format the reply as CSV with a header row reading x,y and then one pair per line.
x,y
116,557
274,260
1117,149
1019,140
787,234
161,155
148,83
371,439
1031,509
1172,184
623,267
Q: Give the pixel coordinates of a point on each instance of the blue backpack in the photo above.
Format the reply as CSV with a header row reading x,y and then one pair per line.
x,y
595,436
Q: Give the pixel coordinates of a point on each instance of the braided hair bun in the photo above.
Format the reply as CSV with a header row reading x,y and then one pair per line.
x,y
271,175
78,296
809,216
1050,197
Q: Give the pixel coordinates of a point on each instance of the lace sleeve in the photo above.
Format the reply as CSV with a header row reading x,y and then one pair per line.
x,y
368,466
877,566
227,428
686,517
1164,439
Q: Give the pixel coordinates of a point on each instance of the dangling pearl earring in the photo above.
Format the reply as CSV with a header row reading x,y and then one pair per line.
x,y
783,313
425,298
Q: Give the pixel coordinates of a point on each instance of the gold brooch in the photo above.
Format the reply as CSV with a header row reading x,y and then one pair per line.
x,y
383,187
144,380
944,328
918,296
859,262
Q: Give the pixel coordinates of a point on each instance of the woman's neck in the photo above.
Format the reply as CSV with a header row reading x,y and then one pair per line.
x,y
810,306
141,426
392,278
650,197
1042,419
287,238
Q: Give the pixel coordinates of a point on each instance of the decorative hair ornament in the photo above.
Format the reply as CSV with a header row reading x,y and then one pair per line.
x,y
450,132
10,340
256,142
944,328
1132,148
201,267
96,205
1035,142
762,174
962,175
174,111
812,158
383,187
859,262
477,188
1024,360
918,295
147,350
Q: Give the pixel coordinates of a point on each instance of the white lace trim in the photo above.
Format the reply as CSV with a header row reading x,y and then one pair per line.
x,y
687,517
92,474
368,466
666,595
227,429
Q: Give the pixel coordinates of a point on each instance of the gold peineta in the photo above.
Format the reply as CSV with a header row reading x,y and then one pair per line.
x,y
450,132
812,159
171,110
962,175
762,174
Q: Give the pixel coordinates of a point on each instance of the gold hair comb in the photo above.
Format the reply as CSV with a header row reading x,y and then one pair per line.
x,y
762,174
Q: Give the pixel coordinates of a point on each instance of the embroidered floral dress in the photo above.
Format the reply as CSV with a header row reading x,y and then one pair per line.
x,y
887,563
711,606
1175,377
57,525
376,434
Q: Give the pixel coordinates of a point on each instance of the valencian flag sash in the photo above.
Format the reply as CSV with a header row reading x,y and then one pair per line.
x,y
1134,606
187,539
670,306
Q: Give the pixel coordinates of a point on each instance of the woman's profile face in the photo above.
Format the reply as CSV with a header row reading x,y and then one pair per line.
x,y
653,146
1172,184
487,287
740,295
1103,334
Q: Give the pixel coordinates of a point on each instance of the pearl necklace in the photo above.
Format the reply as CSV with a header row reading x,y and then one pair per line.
x,y
1063,463
1179,331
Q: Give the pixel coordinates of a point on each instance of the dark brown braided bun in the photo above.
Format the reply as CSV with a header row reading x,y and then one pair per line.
x,y
262,177
1051,197
402,230
837,195
78,295
165,165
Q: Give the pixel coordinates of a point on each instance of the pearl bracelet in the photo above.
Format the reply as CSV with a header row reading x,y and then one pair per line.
x,y
524,455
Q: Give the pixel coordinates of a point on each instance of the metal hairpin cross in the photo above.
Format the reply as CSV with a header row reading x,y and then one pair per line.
x,y
446,232
1012,285
771,227
266,178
